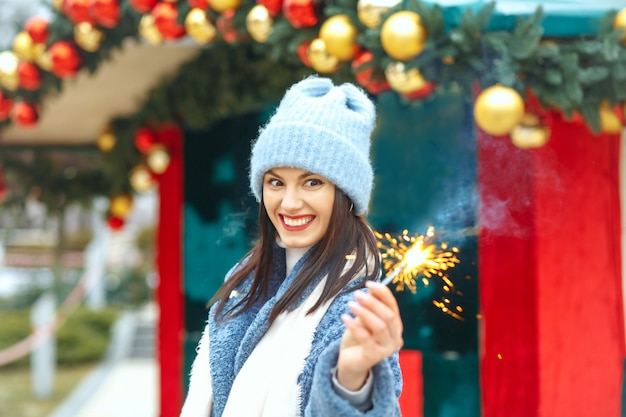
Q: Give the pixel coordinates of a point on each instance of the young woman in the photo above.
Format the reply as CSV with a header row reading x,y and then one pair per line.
x,y
300,327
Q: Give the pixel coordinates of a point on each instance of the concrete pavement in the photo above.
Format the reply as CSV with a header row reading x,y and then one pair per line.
x,y
125,384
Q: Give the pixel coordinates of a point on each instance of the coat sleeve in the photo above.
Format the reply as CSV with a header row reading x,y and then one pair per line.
x,y
324,400
199,395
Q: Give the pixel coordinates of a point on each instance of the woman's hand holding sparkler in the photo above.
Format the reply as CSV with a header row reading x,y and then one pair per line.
x,y
374,333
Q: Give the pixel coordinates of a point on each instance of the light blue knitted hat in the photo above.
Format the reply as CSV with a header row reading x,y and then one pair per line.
x,y
324,129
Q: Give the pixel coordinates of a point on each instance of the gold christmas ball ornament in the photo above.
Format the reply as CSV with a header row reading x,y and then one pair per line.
x,y
339,36
402,35
498,110
199,27
609,121
221,6
259,23
24,47
404,81
158,159
58,4
620,23
149,31
530,133
321,61
370,12
9,77
88,37
106,140
140,178
42,57
120,205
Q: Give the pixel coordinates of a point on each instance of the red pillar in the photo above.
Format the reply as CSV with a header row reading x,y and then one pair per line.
x,y
169,291
550,276
412,397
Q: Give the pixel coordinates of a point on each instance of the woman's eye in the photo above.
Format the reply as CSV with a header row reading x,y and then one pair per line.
x,y
274,182
313,182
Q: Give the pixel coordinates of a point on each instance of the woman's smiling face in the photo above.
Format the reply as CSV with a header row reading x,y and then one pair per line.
x,y
299,204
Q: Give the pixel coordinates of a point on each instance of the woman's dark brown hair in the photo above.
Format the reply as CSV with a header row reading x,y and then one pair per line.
x,y
347,234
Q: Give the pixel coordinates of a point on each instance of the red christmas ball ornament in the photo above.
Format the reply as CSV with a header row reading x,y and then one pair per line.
x,y
226,27
115,223
165,19
29,76
37,28
77,11
274,7
6,105
143,6
302,53
25,114
145,138
366,75
106,12
302,13
198,4
65,59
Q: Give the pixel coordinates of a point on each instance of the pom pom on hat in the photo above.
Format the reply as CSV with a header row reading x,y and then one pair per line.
x,y
324,129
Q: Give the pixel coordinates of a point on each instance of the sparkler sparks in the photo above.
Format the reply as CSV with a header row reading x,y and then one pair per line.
x,y
408,257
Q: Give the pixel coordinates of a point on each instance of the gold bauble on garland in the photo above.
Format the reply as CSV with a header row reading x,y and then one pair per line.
x,y
42,57
339,36
221,6
120,205
609,121
88,37
199,27
9,78
158,159
321,61
619,23
402,35
141,179
24,47
404,81
148,30
259,23
530,133
498,110
106,140
370,12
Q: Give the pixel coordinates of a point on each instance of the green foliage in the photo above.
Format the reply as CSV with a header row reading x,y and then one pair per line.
x,y
568,74
83,338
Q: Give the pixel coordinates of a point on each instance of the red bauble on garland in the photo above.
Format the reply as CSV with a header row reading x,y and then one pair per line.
x,y
303,54
145,138
65,59
37,28
106,12
115,223
25,114
371,81
198,4
302,13
29,76
143,6
165,19
226,27
274,7
77,11
6,105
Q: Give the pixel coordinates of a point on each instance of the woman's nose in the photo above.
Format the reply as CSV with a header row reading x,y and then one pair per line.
x,y
291,199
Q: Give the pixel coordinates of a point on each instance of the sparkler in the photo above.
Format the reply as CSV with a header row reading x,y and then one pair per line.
x,y
408,257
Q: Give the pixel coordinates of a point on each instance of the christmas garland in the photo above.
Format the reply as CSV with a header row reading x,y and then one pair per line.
x,y
256,49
